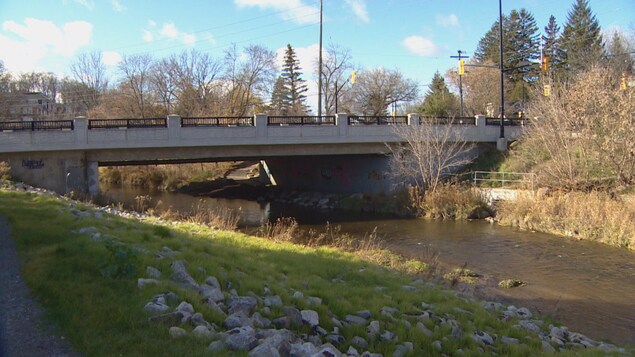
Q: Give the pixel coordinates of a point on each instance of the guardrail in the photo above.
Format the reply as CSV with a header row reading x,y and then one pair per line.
x,y
377,120
127,123
301,120
504,179
216,121
506,121
37,125
448,121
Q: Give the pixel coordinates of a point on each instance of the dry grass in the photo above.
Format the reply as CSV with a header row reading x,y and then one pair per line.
x,y
452,201
596,216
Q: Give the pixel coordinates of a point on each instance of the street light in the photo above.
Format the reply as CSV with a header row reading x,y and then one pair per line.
x,y
501,140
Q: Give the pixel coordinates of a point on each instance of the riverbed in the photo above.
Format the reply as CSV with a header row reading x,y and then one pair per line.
x,y
587,286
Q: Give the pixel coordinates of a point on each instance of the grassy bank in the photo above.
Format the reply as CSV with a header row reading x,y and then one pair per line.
x,y
83,266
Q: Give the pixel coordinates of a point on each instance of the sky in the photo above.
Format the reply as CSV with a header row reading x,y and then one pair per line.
x,y
416,37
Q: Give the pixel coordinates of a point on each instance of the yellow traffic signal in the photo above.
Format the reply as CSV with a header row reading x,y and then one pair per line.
x,y
353,76
545,64
547,90
461,67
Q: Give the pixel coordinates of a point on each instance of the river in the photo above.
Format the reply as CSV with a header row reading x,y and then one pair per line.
x,y
587,286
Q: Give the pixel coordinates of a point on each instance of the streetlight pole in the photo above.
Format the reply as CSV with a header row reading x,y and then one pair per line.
x,y
502,77
460,57
320,67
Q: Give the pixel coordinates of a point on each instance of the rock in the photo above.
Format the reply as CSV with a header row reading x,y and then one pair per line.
x,y
335,339
87,230
547,347
336,322
282,322
511,283
409,288
212,281
352,351
373,328
524,313
294,315
403,349
216,308
238,319
241,339
365,314
310,317
245,304
181,276
313,300
492,306
152,272
184,306
456,332
369,354
303,349
141,282
259,321
202,332
198,320
327,350
264,350
280,339
273,301
356,320
211,293
387,336
176,332
510,340
437,345
529,326
561,333
298,295
359,342
482,337
155,308
423,328
216,346
171,318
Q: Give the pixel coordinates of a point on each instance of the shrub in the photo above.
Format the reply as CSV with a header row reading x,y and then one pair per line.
x,y
5,170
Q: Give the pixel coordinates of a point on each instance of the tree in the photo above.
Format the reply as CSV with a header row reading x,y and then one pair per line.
x,y
135,84
439,101
379,88
293,97
278,97
552,48
619,56
89,70
335,71
5,87
429,153
248,77
581,38
481,89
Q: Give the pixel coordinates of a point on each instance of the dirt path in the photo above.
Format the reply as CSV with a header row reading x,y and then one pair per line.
x,y
22,331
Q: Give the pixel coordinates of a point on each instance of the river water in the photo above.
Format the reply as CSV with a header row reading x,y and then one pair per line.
x,y
589,287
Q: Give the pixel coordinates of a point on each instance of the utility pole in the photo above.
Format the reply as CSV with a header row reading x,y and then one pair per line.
x,y
320,67
500,40
461,73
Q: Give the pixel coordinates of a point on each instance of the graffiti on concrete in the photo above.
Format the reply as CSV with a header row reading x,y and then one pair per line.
x,y
33,164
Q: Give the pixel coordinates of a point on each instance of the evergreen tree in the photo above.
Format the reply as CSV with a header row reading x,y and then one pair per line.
x,y
581,39
619,56
279,105
552,48
439,101
295,86
487,48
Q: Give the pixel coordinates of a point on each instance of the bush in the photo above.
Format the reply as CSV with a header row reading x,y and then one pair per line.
x,y
453,201
5,170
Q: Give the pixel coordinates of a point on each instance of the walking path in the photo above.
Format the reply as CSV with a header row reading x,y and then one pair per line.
x,y
22,331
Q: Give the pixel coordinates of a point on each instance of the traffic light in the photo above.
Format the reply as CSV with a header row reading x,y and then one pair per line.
x,y
353,76
461,67
623,82
547,90
545,64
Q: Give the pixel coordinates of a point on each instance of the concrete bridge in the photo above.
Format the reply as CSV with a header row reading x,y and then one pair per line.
x,y
342,152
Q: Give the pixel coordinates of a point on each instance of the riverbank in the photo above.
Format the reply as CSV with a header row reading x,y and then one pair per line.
x,y
89,267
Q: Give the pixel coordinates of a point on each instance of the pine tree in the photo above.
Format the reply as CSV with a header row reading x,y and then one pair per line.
x,y
295,86
581,38
551,47
439,101
279,105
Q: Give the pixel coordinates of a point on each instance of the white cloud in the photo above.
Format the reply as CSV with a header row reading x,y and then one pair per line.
x,y
359,8
111,58
450,20
291,10
420,45
116,5
152,23
147,36
171,32
89,4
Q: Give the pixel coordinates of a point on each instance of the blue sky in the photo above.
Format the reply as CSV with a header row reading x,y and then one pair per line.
x,y
414,36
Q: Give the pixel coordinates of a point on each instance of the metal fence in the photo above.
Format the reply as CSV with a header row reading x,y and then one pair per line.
x,y
127,123
301,120
37,125
506,121
377,120
448,121
216,121
504,179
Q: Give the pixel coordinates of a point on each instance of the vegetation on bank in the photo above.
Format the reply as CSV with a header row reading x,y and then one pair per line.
x,y
87,281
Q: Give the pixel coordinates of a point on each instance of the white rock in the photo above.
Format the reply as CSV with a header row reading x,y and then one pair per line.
x,y
310,317
176,332
202,332
141,282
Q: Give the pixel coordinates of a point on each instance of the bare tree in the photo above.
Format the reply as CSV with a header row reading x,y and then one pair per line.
x,y
164,81
198,75
135,83
481,89
429,152
377,89
249,76
89,70
335,76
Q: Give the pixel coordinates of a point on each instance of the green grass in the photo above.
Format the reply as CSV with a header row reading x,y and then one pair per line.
x,y
102,313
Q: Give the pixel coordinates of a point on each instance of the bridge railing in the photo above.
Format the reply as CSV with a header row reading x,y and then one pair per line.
x,y
377,120
448,120
37,125
506,121
301,120
127,123
504,179
188,122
